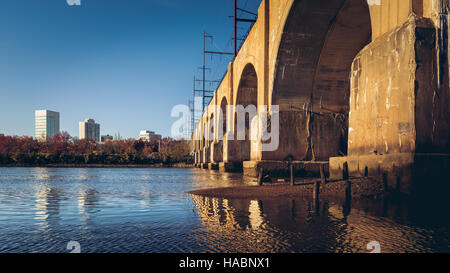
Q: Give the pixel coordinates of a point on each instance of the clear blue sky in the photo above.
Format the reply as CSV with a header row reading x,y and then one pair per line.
x,y
124,63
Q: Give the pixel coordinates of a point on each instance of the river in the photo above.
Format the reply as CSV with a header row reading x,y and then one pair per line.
x,y
149,211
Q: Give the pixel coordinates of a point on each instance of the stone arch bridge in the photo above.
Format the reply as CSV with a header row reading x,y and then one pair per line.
x,y
362,87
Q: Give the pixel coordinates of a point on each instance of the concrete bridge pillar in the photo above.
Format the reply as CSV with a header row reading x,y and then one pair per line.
x,y
196,159
399,121
217,151
207,154
200,156
230,160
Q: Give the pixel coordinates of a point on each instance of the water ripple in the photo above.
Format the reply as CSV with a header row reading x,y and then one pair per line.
x,y
148,210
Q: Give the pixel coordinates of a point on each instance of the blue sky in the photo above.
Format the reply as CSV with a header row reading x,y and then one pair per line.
x,y
124,63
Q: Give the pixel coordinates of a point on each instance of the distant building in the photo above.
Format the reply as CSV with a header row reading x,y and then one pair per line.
x,y
155,137
46,124
117,136
107,138
149,136
88,129
146,135
2,135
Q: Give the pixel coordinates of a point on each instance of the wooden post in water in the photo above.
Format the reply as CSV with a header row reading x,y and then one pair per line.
x,y
345,174
323,178
260,177
291,168
316,190
348,199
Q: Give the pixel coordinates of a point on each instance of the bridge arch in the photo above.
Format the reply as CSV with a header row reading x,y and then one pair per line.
x,y
211,128
220,131
246,98
312,76
223,108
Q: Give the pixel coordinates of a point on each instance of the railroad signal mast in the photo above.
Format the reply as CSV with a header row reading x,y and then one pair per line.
x,y
207,95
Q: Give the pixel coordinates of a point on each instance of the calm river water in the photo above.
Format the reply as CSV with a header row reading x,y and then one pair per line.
x,y
148,210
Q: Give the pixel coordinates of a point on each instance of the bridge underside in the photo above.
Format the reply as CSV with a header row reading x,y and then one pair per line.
x,y
355,94
312,80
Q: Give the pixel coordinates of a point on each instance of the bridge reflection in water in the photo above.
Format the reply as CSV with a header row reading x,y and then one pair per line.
x,y
149,210
306,226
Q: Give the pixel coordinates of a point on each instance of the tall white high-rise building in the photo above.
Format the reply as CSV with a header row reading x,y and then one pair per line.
x,y
46,124
88,129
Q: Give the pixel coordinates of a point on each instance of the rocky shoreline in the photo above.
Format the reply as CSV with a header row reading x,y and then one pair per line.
x,y
354,188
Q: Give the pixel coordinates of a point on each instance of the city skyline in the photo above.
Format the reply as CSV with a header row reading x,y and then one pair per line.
x,y
47,124
105,59
88,128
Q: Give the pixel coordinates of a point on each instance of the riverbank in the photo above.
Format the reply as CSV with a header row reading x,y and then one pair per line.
x,y
160,165
355,188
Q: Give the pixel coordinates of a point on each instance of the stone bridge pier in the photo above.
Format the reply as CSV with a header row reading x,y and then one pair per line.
x,y
361,86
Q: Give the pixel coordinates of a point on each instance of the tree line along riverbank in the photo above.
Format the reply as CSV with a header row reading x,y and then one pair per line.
x,y
64,151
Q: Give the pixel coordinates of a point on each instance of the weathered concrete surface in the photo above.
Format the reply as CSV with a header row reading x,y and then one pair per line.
x,y
217,151
207,155
352,78
398,109
407,173
278,169
392,88
319,44
213,166
230,167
